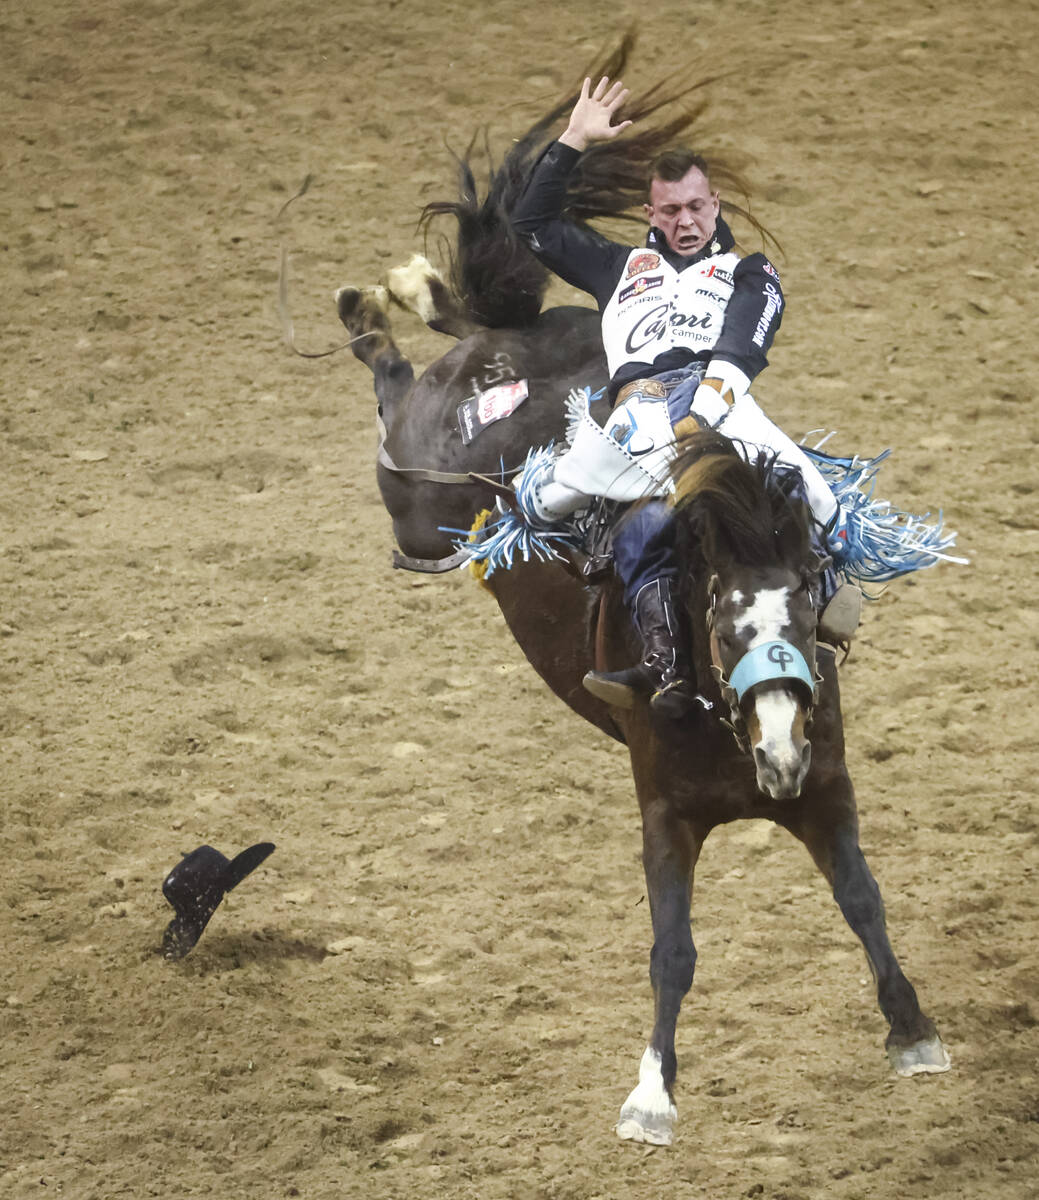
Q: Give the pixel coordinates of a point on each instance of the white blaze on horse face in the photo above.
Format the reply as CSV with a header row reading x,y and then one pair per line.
x,y
768,614
782,754
776,726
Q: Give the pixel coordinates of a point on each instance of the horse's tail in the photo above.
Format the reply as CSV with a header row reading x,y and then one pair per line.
x,y
492,271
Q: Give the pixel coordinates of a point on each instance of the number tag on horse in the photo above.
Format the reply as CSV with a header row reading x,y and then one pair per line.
x,y
483,409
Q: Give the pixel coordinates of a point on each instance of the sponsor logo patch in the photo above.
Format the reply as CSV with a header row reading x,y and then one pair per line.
x,y
659,321
641,263
644,283
717,272
773,305
771,270
483,409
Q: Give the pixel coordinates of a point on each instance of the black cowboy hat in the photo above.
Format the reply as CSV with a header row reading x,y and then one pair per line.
x,y
195,887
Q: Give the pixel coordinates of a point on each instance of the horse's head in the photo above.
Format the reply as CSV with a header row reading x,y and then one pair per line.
x,y
748,538
761,626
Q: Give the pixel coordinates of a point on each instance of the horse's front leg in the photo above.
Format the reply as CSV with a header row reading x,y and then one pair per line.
x,y
913,1044
670,848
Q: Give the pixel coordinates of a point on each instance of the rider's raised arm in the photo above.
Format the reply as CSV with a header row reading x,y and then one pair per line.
x,y
592,119
751,321
574,252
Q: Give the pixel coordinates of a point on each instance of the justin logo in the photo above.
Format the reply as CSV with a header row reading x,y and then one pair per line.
x,y
717,272
642,262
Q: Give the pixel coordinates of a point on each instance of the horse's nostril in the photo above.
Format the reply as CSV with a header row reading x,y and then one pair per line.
x,y
806,757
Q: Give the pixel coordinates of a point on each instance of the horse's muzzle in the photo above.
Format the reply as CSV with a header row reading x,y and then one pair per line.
x,y
781,775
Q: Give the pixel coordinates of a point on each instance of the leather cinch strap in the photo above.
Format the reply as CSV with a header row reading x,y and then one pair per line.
x,y
429,566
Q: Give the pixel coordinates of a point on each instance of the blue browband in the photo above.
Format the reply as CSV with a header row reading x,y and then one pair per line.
x,y
770,660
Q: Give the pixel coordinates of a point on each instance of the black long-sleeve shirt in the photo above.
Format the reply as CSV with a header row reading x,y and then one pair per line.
x,y
652,285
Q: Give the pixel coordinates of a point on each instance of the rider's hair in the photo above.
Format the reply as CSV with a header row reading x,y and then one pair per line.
x,y
675,164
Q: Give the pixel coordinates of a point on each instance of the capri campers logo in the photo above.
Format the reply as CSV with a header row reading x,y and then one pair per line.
x,y
654,326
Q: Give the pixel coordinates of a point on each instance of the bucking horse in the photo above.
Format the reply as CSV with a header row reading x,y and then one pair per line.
x,y
767,740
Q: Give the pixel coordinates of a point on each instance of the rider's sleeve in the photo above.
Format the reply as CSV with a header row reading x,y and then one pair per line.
x,y
574,252
751,321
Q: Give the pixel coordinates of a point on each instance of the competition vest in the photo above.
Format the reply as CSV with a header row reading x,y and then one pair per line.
x,y
655,308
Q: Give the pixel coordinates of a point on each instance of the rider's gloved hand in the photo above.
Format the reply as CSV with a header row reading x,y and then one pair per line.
x,y
723,384
708,403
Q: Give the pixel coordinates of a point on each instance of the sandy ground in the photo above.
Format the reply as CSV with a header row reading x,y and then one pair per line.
x,y
437,984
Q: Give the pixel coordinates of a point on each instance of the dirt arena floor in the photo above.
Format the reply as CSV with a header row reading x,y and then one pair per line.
x,y
437,985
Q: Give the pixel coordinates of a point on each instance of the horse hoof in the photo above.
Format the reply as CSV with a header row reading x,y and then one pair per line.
x,y
649,1114
411,285
642,1127
928,1057
347,299
359,302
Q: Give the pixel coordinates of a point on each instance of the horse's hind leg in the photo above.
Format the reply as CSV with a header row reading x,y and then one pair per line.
x,y
670,850
420,288
913,1044
363,312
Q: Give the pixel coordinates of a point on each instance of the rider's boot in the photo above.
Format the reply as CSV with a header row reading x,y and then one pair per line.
x,y
664,674
840,615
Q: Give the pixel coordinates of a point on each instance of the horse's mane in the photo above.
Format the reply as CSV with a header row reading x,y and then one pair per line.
x,y
498,279
733,511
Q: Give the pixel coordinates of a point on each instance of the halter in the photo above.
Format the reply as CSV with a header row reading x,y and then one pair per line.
x,y
770,660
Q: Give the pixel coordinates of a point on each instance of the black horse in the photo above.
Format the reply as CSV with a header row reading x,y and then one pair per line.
x,y
750,589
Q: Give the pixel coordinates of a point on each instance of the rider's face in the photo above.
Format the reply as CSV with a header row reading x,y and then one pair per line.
x,y
684,210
